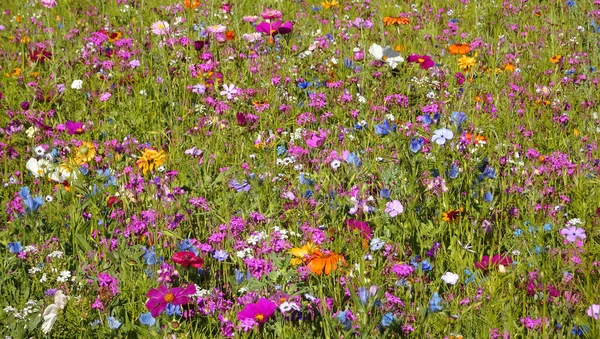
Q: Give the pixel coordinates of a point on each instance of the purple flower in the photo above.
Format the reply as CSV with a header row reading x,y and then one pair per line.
x,y
393,208
259,312
105,96
594,311
403,270
274,28
74,127
573,233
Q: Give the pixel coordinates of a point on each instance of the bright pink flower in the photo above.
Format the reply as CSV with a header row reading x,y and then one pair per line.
x,y
163,295
270,14
259,312
496,260
274,28
423,60
74,127
316,140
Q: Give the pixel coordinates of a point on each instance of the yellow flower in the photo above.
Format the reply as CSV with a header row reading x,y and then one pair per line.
x,y
85,152
150,160
466,63
303,253
327,4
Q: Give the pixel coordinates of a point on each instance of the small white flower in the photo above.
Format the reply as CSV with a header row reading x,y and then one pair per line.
x,y
161,168
450,278
49,198
64,276
386,55
335,164
39,150
77,84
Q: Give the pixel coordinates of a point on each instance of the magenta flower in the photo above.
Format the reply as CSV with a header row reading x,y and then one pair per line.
x,y
316,140
274,28
259,312
393,208
496,260
163,295
402,270
74,127
573,233
423,60
269,14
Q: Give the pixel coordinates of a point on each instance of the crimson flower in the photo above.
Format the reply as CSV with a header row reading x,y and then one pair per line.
x,y
186,259
40,55
496,260
423,60
163,295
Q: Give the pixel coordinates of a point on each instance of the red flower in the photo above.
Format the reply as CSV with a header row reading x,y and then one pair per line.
x,y
40,55
186,259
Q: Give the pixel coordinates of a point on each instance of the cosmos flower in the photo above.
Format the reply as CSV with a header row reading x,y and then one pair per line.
x,y
260,311
160,28
163,295
423,60
270,14
386,55
274,28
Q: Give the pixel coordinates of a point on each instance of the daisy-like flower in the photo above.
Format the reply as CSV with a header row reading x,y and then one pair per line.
x,y
270,14
259,312
38,167
423,60
160,28
466,63
450,278
386,55
229,91
85,152
159,298
216,29
303,253
150,160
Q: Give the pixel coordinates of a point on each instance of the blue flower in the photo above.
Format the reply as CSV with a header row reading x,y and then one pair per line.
x,y
416,144
488,197
570,3
435,304
113,323
352,158
14,247
426,265
343,318
147,319
469,276
458,118
363,295
426,119
383,129
384,193
453,172
547,227
150,256
281,150
186,245
518,232
31,204
387,319
304,85
221,255
173,310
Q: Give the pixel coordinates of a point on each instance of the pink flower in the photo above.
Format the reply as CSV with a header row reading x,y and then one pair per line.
x,y
259,312
160,28
161,296
594,311
74,127
48,3
423,60
105,96
393,208
496,260
269,14
573,233
186,259
316,140
274,28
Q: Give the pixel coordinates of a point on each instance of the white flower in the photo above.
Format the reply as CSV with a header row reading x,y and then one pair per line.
x,y
64,276
442,135
335,164
386,54
37,167
229,91
39,150
51,312
77,84
450,278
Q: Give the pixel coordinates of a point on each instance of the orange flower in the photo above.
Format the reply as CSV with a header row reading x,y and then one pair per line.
x,y
230,35
556,59
114,36
459,49
189,4
477,139
391,20
509,67
452,215
327,263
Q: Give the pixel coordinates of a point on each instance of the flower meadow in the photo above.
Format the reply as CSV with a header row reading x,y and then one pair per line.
x,y
287,169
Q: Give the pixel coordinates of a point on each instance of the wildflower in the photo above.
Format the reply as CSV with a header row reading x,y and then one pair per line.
x,y
77,84
221,255
84,153
459,49
335,164
38,167
555,59
191,4
14,247
160,28
424,61
450,278
260,311
74,127
274,28
151,159
393,208
48,3
304,253
386,55
186,259
360,226
270,14
229,91
387,319
415,144
376,244
402,270
163,295
458,118
594,311
113,323
442,135
216,29
390,20
147,319
573,233
496,260
326,263
466,63
435,304
453,215
383,129
40,55
327,4
51,312
31,203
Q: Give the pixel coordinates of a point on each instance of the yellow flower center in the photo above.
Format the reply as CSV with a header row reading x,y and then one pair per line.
x,y
259,317
384,58
169,297
420,60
